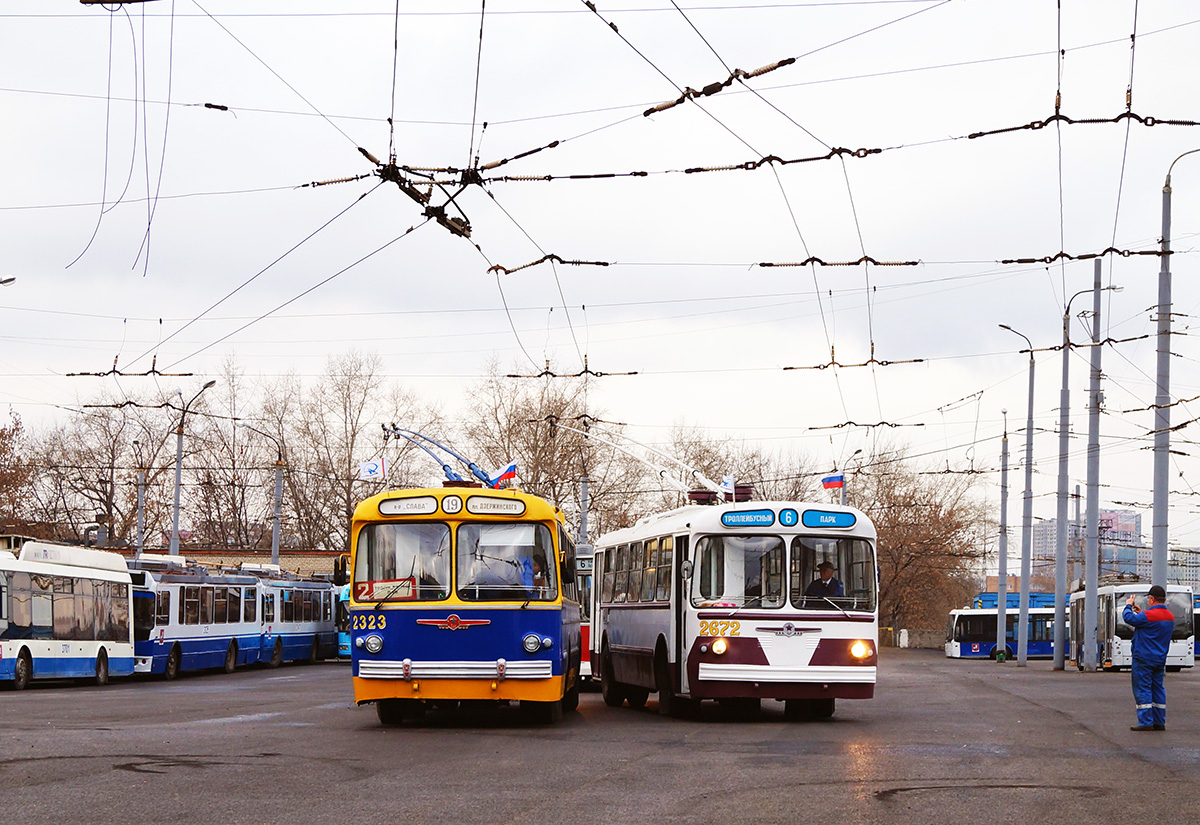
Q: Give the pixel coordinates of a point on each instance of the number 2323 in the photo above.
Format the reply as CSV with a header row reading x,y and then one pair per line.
x,y
372,621
717,627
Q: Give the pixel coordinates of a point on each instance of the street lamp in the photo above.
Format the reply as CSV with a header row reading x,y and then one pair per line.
x,y
278,491
7,281
174,548
1162,397
1064,424
844,464
1026,518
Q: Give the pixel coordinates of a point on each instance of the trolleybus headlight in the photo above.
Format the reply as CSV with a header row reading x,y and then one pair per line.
x,y
532,643
373,643
860,649
719,646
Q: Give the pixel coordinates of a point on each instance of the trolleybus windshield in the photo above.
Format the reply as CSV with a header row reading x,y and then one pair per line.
x,y
506,562
402,561
738,571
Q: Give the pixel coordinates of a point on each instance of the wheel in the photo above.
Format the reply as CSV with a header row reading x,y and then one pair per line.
x,y
390,711
542,713
22,671
101,677
741,707
612,691
174,658
570,700
822,708
801,709
315,653
636,696
668,702
277,653
231,657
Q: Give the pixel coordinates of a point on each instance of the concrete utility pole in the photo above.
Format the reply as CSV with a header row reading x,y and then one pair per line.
x,y
1162,396
1002,571
1060,521
1091,608
1026,519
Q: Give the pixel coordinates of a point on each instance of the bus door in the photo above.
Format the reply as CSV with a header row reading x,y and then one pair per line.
x,y
679,611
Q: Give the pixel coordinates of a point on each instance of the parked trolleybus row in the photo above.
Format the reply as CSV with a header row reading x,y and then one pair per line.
x,y
82,613
971,632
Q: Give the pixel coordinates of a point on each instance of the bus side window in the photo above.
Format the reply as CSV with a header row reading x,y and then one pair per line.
x,y
649,574
250,604
604,562
162,608
665,545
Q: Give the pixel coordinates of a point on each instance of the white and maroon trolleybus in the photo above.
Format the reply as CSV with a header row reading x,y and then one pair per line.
x,y
722,602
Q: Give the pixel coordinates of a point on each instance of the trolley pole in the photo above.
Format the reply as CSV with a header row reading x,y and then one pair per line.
x,y
1002,570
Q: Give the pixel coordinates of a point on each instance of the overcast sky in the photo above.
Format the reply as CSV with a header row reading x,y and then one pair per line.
x,y
92,150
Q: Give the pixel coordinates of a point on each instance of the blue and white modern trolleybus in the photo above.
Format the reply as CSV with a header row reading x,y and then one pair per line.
x,y
64,612
296,616
709,602
463,594
1115,638
971,633
186,617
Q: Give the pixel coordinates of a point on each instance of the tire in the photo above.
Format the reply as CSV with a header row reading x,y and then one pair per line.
x,y
22,671
741,707
101,677
804,709
636,697
276,653
612,691
667,700
314,655
174,660
542,713
390,712
570,700
231,657
822,708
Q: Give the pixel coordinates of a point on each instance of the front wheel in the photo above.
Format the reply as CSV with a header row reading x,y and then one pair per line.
x,y
231,657
612,692
542,713
22,671
276,653
636,697
174,659
570,700
101,677
315,653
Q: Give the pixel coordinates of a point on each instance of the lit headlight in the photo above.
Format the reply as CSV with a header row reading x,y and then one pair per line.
x,y
373,643
719,646
532,643
860,649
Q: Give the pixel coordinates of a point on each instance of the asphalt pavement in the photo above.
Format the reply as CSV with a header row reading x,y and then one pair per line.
x,y
943,741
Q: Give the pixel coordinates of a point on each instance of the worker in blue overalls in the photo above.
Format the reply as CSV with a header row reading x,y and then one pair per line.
x,y
1152,630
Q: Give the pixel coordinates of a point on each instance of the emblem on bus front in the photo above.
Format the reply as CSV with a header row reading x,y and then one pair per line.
x,y
788,630
453,622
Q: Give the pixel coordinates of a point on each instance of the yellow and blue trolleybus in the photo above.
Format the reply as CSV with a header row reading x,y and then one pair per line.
x,y
463,594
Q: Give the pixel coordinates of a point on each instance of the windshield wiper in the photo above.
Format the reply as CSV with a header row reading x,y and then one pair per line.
x,y
836,606
392,592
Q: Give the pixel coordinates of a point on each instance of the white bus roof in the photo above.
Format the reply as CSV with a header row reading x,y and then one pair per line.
x,y
73,556
708,519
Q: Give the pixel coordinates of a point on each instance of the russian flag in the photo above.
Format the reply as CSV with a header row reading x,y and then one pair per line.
x,y
833,481
505,473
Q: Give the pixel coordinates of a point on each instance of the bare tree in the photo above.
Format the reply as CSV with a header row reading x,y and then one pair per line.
x,y
933,538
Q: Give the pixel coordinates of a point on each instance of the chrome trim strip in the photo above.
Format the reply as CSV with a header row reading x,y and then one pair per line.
x,y
387,669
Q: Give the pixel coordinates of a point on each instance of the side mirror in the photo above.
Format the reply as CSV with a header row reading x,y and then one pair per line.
x,y
686,569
